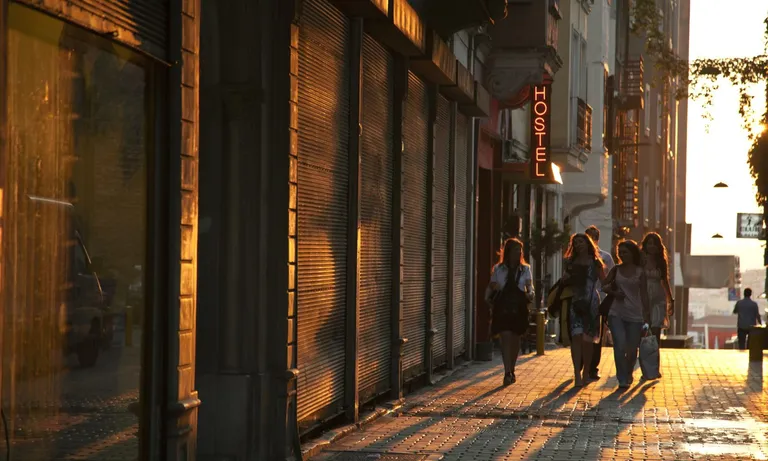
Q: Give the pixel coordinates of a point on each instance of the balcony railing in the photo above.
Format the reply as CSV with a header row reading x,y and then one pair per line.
x,y
629,205
584,125
630,137
632,90
628,171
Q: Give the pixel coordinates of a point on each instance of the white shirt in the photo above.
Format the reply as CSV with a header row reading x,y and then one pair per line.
x,y
608,261
500,275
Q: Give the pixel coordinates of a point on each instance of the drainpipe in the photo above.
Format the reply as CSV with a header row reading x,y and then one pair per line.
x,y
470,336
577,210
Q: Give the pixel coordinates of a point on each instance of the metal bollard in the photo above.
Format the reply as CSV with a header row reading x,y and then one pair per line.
x,y
540,333
756,341
129,326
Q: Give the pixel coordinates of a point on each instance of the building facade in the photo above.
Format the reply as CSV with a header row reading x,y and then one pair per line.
x,y
649,142
358,153
230,224
514,197
588,192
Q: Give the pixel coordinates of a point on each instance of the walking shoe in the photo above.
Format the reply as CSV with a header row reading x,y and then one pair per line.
x,y
509,378
594,376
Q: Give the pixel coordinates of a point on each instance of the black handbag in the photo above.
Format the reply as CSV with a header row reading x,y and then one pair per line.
x,y
509,296
605,306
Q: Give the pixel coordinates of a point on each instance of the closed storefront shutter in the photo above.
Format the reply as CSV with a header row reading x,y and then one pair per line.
x,y
322,209
460,252
415,225
376,220
440,219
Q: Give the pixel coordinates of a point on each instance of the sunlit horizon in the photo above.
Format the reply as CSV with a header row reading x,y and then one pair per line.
x,y
720,154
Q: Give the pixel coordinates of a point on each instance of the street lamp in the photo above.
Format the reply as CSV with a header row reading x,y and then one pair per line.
x,y
720,185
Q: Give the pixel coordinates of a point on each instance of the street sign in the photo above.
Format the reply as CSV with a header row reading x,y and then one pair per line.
x,y
733,294
749,225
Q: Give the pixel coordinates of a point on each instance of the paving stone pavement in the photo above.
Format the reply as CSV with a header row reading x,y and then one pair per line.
x,y
76,413
710,404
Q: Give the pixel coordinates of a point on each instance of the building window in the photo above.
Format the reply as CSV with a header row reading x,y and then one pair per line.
x,y
646,201
647,110
657,204
659,115
575,82
74,225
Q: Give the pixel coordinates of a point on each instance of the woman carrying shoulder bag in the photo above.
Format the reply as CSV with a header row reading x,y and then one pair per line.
x,y
629,309
509,292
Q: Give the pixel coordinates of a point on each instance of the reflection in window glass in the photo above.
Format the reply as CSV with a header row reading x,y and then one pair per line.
x,y
73,242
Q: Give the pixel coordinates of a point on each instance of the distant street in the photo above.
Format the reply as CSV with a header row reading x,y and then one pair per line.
x,y
708,405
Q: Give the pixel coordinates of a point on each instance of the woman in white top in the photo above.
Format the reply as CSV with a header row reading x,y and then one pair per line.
x,y
510,302
629,309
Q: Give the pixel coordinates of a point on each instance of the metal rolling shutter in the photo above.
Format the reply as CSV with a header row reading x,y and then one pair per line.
x,y
440,219
376,220
322,208
460,252
141,23
415,225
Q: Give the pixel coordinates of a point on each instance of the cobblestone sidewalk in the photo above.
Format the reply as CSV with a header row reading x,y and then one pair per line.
x,y
709,405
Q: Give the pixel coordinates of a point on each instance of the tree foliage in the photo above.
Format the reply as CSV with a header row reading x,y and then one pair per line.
x,y
548,241
700,78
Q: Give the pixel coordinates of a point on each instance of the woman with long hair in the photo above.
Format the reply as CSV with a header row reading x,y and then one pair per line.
x,y
629,309
509,292
660,297
583,269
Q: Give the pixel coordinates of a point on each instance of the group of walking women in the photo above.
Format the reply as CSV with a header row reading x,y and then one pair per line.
x,y
633,297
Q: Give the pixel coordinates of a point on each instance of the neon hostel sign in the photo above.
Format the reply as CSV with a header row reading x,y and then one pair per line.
x,y
540,125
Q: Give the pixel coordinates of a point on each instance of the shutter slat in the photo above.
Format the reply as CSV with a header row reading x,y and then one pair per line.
x,y
440,220
460,300
415,225
322,209
376,220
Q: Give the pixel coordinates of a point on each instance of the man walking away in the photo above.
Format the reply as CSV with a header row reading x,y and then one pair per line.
x,y
749,316
594,233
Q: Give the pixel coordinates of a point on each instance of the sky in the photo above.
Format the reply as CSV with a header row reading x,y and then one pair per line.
x,y
720,155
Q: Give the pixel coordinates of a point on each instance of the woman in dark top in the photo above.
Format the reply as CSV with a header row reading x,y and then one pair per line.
x,y
583,268
660,299
509,292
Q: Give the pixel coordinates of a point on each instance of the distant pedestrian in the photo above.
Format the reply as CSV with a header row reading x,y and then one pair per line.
x,y
583,270
594,233
509,315
629,310
659,291
749,316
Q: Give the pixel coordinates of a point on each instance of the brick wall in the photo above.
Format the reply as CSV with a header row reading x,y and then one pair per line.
x,y
186,76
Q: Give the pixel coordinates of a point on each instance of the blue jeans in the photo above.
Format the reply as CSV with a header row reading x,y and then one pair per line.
x,y
626,340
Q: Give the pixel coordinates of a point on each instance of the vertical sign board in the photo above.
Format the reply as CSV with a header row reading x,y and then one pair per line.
x,y
749,226
540,164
